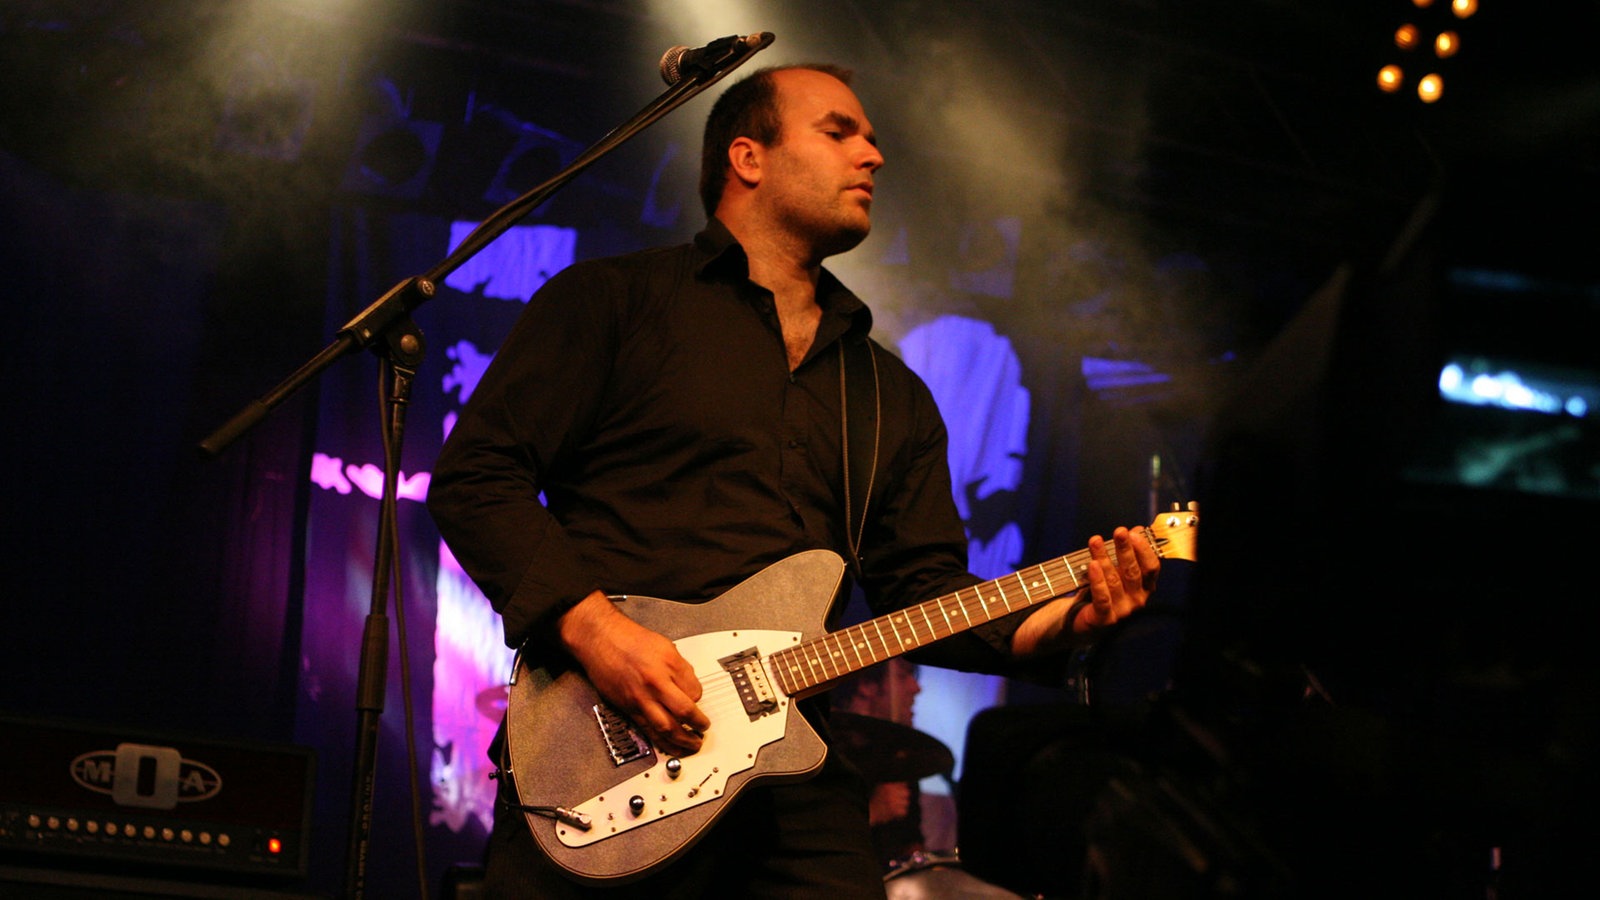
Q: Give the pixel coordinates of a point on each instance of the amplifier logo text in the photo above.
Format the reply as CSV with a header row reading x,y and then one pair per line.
x,y
146,776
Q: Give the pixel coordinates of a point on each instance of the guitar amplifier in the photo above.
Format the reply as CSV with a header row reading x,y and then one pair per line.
x,y
73,791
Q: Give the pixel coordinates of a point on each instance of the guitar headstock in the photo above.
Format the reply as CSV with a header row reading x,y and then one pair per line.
x,y
1174,532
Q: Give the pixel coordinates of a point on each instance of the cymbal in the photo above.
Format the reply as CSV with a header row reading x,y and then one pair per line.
x,y
888,751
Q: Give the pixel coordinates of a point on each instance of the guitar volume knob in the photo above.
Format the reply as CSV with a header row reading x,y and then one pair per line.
x,y
636,804
674,767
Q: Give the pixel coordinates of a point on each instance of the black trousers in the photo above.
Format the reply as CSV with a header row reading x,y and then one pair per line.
x,y
805,841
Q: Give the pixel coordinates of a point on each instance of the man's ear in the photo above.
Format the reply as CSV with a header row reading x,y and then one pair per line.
x,y
745,158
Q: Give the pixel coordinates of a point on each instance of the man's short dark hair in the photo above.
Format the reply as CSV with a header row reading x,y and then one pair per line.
x,y
748,109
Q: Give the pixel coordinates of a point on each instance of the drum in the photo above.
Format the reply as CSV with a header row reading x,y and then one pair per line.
x,y
938,876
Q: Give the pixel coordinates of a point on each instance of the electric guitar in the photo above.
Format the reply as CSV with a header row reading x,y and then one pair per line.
x,y
607,808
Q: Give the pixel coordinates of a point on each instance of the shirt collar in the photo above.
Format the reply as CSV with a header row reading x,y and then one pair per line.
x,y
719,251
722,256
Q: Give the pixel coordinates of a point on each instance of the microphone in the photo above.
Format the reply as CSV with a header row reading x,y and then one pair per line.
x,y
707,60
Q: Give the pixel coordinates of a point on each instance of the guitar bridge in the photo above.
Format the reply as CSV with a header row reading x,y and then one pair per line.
x,y
750,680
649,786
623,742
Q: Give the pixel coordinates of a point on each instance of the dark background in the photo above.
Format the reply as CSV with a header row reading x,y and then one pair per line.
x,y
183,230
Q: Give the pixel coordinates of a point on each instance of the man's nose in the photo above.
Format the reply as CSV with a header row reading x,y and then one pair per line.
x,y
871,159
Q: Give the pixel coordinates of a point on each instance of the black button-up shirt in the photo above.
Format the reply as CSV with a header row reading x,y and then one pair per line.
x,y
648,397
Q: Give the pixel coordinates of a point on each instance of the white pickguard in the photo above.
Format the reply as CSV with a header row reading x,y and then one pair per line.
x,y
731,745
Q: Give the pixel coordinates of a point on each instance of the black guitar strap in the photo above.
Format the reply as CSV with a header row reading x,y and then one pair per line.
x,y
861,427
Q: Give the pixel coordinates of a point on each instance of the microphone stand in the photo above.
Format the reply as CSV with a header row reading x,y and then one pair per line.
x,y
386,328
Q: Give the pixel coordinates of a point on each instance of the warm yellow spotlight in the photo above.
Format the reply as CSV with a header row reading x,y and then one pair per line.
x,y
1423,4
1406,37
1430,87
1446,44
1463,8
1390,78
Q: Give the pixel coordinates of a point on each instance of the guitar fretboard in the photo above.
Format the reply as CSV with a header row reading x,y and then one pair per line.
x,y
810,664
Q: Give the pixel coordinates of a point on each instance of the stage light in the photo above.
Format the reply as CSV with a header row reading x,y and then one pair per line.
x,y
394,154
1432,27
1430,87
537,156
394,157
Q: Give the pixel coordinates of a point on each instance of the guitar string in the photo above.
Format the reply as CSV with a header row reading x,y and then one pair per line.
x,y
956,611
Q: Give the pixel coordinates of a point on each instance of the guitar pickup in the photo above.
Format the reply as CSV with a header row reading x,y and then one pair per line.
x,y
750,680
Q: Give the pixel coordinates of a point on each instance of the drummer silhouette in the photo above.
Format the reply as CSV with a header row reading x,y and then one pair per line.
x,y
871,725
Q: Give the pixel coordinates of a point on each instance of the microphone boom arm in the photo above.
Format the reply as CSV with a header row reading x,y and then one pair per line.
x,y
373,324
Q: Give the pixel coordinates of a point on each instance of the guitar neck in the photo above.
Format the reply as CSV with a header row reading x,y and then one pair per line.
x,y
812,666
